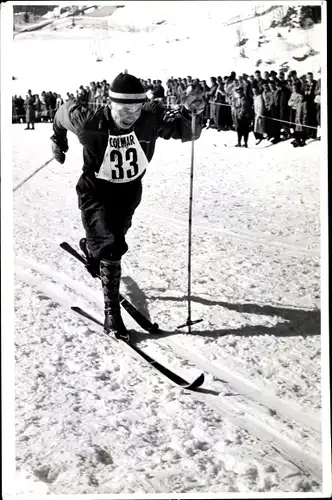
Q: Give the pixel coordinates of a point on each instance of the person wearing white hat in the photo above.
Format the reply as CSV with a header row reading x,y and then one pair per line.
x,y
118,144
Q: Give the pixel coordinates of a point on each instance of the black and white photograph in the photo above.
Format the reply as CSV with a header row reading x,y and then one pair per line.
x,y
164,250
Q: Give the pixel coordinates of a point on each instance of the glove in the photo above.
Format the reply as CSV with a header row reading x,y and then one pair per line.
x,y
59,151
194,101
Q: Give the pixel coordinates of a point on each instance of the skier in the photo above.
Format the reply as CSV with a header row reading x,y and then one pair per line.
x,y
118,143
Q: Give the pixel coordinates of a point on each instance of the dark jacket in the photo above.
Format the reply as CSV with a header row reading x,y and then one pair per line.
x,y
284,96
93,128
241,111
159,92
309,91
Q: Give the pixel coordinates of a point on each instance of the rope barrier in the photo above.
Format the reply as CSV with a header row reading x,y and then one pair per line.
x,y
265,117
93,103
285,121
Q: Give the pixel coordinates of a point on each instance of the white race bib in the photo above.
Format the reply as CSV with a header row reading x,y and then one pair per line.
x,y
124,159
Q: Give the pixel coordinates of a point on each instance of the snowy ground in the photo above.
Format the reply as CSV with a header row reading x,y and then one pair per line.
x,y
89,419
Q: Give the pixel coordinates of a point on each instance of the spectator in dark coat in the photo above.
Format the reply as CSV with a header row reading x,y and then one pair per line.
x,y
242,113
294,79
259,80
159,91
211,94
247,85
14,109
29,104
220,100
284,110
19,111
51,105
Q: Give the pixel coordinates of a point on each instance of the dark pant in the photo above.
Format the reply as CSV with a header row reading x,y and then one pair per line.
x,y
312,118
300,137
106,211
243,129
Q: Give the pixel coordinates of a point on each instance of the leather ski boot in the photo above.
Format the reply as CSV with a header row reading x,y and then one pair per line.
x,y
110,274
92,264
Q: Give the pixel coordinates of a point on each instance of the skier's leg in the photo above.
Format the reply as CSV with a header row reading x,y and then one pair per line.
x,y
110,273
106,215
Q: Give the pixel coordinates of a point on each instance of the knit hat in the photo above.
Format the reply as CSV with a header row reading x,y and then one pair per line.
x,y
127,89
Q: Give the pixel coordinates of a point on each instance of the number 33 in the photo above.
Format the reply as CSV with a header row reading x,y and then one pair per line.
x,y
130,157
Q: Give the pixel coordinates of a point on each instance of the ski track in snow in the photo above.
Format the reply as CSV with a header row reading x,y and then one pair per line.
x,y
239,382
92,420
309,462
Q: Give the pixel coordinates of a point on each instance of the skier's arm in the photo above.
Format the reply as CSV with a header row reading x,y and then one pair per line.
x,y
70,116
62,121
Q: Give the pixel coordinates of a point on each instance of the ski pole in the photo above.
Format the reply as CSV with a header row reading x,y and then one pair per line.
x,y
189,321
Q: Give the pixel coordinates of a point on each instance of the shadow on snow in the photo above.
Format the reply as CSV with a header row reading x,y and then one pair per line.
x,y
296,322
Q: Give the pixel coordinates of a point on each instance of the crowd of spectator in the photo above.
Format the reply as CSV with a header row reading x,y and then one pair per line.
x,y
37,108
274,107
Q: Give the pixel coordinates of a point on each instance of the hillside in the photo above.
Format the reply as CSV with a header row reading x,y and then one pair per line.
x,y
164,41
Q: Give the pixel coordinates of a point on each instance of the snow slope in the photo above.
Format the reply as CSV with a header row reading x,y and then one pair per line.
x,y
92,420
190,41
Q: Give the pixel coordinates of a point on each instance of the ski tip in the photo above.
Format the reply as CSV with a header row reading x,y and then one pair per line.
x,y
76,309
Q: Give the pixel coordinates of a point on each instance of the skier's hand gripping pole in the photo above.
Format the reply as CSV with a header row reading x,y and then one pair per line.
x,y
189,321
